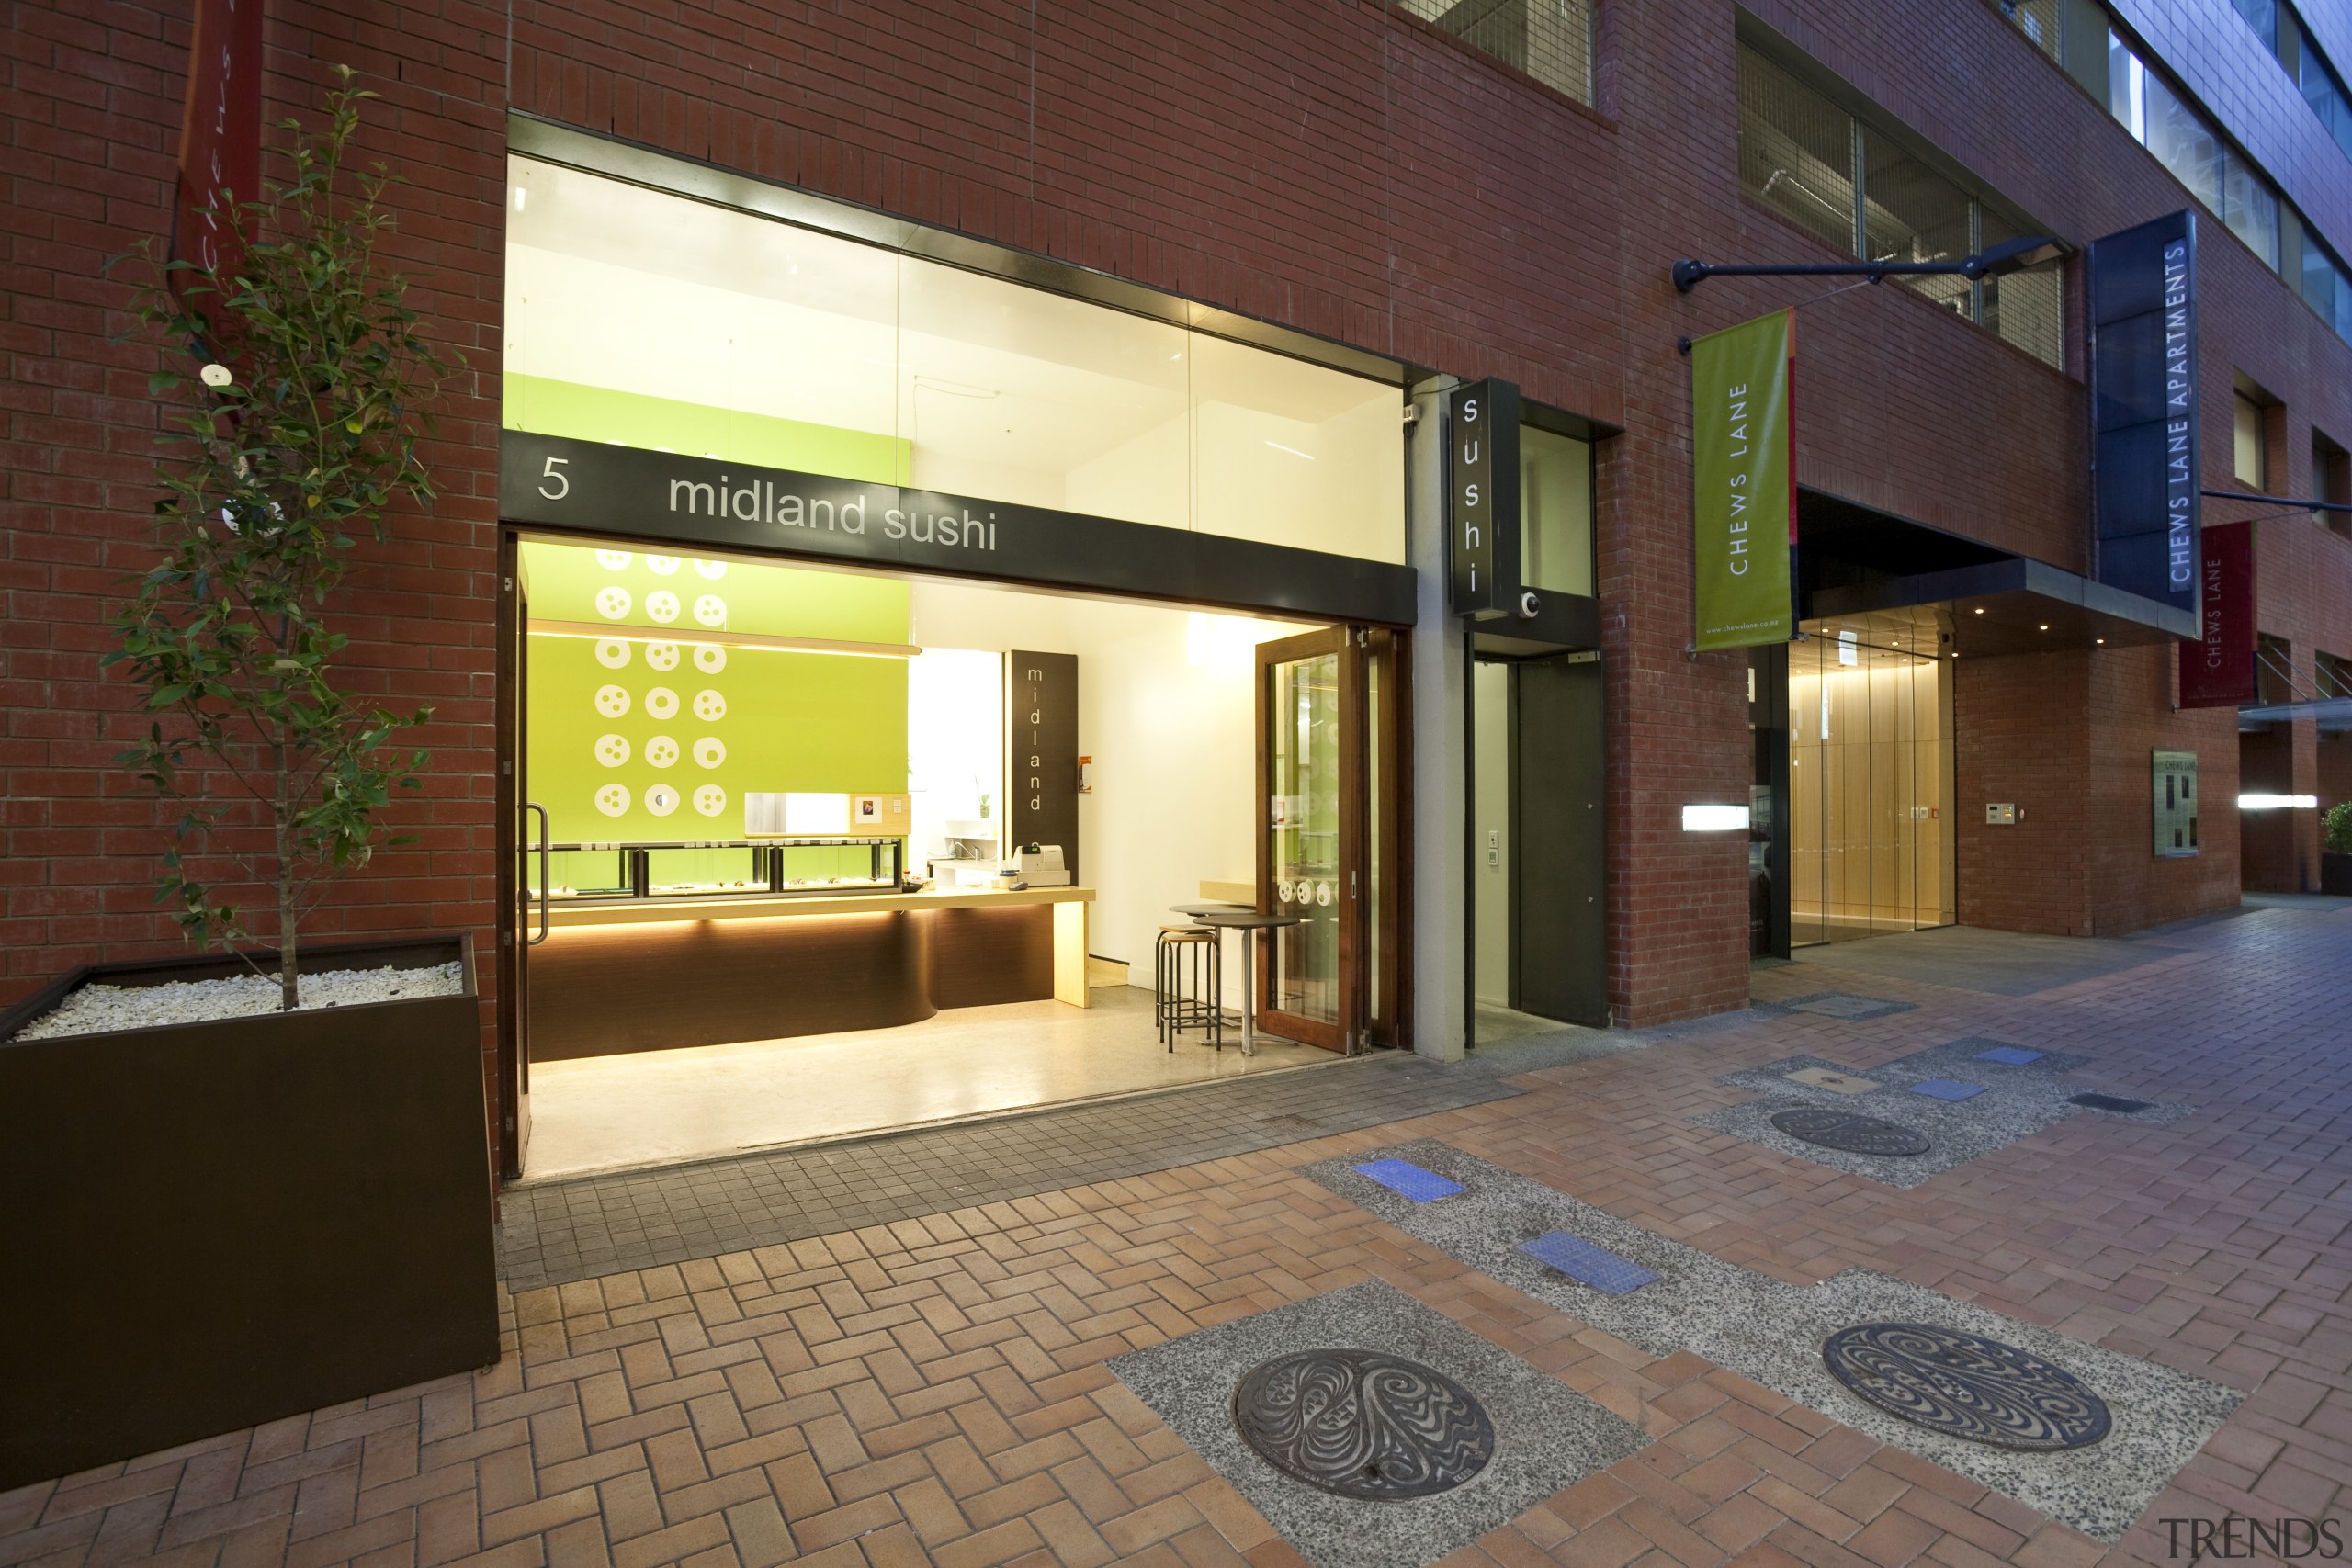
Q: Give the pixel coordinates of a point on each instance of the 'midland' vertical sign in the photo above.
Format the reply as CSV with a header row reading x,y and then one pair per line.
x,y
1743,433
2144,476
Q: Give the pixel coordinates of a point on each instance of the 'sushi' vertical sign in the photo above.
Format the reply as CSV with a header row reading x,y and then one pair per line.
x,y
1743,434
1041,752
1482,498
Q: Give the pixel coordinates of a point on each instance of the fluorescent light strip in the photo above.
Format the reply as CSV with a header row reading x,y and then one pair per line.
x,y
1714,818
603,633
2277,803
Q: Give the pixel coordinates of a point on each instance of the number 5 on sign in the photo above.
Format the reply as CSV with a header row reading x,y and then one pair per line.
x,y
554,476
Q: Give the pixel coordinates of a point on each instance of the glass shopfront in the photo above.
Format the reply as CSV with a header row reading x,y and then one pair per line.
x,y
824,820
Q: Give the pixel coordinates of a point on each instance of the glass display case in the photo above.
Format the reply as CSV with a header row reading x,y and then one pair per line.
x,y
615,873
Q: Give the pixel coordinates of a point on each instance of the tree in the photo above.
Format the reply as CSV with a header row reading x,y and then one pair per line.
x,y
304,426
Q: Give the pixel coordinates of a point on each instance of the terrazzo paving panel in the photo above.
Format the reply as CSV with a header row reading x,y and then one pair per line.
x,y
1969,1098
1772,1332
1846,1004
1547,1436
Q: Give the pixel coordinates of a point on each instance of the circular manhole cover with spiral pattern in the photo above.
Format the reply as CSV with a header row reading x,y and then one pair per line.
x,y
1964,1385
1361,1424
1854,1134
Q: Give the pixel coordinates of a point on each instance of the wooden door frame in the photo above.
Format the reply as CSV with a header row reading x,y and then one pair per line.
x,y
512,1020
1341,641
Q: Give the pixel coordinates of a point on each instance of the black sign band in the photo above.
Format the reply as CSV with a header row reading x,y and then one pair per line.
x,y
592,487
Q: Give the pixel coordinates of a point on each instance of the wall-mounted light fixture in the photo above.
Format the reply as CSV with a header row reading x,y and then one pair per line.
x,y
1714,818
2277,803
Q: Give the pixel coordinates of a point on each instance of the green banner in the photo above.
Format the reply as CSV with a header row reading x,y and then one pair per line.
x,y
1743,475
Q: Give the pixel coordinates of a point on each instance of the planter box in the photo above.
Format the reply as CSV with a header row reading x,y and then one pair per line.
x,y
209,1225
2335,875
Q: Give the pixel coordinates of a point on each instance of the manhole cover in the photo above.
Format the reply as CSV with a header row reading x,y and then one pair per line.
x,y
1854,1134
2114,1102
1966,1386
1361,1424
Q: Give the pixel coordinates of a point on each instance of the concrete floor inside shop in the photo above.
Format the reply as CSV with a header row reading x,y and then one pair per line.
x,y
601,1113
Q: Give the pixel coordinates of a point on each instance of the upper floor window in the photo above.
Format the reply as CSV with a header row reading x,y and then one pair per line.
x,y
1549,39
1863,188
2081,37
2250,463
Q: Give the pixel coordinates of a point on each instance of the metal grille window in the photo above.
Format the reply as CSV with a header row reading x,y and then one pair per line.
x,y
1549,39
1796,150
1910,213
1801,155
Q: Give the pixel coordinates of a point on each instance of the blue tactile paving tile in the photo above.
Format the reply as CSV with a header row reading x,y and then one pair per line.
x,y
2010,1056
1947,1088
1587,1264
1409,1180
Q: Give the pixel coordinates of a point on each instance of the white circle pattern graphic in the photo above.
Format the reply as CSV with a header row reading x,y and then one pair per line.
x,y
612,750
612,602
663,656
612,560
711,659
709,706
612,701
711,569
663,565
662,605
711,611
660,800
661,751
613,799
662,703
710,800
612,653
710,750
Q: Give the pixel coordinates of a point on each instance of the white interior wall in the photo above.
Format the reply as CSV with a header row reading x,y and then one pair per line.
x,y
1165,710
1490,825
955,744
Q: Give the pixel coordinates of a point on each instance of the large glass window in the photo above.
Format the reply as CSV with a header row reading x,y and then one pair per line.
x,y
1549,39
1800,154
648,320
1555,512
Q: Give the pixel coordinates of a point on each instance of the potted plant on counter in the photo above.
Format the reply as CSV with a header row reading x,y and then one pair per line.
x,y
2335,850
254,1181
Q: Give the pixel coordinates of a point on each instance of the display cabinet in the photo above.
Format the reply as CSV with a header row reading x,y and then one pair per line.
x,y
619,873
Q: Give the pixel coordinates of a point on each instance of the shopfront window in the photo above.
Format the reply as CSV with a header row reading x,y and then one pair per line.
x,y
757,341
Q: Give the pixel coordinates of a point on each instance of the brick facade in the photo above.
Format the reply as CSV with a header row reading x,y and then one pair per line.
x,y
1327,164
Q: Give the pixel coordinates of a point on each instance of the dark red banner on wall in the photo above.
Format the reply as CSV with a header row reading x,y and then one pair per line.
x,y
219,129
2218,672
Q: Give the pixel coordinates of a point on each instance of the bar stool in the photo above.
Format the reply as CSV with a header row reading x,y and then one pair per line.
x,y
1180,949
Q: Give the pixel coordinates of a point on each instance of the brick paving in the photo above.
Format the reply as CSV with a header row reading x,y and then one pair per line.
x,y
934,1389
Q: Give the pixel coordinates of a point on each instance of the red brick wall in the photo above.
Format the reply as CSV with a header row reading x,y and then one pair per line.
x,y
2020,730
94,109
1326,165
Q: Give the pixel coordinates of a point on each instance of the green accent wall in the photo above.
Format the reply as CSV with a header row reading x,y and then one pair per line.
x,y
548,407
634,740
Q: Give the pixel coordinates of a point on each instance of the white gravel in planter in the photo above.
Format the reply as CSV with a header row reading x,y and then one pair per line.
x,y
95,1009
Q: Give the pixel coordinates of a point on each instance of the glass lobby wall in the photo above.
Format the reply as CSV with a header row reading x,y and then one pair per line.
x,y
1870,789
653,321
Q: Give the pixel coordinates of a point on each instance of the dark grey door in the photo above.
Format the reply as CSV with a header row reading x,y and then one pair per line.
x,y
1560,906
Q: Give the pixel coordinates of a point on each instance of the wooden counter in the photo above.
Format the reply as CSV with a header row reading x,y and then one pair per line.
x,y
657,974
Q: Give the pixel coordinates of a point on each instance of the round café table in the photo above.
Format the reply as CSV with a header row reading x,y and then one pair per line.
x,y
1248,923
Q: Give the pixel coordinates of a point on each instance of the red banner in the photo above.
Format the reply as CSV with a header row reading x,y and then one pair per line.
x,y
2218,672
220,131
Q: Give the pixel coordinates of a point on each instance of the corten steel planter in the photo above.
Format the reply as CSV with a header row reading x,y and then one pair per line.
x,y
208,1225
2335,875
